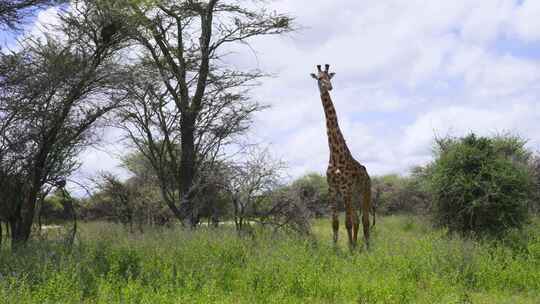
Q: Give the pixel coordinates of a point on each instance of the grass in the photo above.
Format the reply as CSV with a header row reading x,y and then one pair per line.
x,y
409,262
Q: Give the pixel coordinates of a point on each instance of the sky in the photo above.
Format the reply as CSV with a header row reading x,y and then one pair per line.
x,y
406,71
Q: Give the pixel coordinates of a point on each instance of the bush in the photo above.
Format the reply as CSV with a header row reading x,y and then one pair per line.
x,y
313,190
534,167
481,185
394,194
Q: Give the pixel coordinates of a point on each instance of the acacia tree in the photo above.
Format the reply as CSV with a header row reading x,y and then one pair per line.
x,y
188,97
249,182
53,95
133,201
258,195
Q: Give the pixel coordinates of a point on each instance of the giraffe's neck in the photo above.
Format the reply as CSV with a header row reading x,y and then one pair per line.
x,y
336,142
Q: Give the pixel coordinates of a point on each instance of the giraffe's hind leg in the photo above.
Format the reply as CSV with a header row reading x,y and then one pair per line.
x,y
355,215
356,225
366,206
349,222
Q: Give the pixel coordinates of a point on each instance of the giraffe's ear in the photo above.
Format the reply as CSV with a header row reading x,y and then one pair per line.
x,y
331,75
314,76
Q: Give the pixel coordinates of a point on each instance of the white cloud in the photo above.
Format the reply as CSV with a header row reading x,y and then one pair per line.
x,y
525,20
488,74
45,22
461,120
406,71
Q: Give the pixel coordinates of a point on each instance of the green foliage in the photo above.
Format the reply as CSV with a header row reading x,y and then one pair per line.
x,y
312,189
409,263
137,200
55,208
313,182
139,165
394,194
534,167
481,185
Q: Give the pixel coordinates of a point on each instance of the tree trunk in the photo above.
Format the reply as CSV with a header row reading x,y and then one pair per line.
x,y
236,215
74,217
8,231
21,224
40,203
15,234
68,203
40,213
187,166
215,218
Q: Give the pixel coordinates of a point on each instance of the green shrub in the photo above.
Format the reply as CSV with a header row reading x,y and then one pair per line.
x,y
395,194
481,185
313,190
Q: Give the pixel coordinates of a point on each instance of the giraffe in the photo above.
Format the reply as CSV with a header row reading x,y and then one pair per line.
x,y
347,178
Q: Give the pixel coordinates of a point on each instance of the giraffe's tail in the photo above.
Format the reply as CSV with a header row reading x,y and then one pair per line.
x,y
373,212
369,207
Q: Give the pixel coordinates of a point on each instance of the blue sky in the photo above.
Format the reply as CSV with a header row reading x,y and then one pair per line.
x,y
407,70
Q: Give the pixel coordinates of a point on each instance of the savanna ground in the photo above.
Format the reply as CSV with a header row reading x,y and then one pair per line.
x,y
409,262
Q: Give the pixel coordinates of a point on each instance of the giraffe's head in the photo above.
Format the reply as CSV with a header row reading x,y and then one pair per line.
x,y
323,78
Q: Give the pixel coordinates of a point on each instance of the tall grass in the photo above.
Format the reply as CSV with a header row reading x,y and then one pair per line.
x,y
408,263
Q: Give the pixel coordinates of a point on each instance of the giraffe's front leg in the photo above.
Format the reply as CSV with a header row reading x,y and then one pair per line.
x,y
332,196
